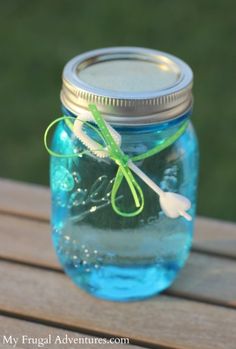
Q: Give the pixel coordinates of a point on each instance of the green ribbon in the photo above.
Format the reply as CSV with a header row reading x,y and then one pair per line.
x,y
118,156
121,159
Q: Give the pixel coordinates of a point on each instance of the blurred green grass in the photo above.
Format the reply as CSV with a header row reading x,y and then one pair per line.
x,y
38,37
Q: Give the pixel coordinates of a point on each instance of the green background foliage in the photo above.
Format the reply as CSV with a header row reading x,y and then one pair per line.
x,y
38,37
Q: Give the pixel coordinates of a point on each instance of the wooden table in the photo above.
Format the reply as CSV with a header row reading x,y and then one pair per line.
x,y
37,299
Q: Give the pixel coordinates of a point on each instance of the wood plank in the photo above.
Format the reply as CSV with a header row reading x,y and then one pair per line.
x,y
26,241
36,248
204,277
168,321
57,338
23,199
207,278
215,236
211,236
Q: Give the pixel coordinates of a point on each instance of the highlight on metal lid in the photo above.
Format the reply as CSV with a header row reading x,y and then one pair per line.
x,y
129,85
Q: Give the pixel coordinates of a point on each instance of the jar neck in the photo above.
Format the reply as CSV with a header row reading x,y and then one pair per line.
x,y
160,127
139,139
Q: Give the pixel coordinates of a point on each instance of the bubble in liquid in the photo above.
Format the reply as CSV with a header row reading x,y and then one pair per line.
x,y
76,176
77,198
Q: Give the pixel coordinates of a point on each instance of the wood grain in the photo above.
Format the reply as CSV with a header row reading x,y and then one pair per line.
x,y
33,201
214,236
207,278
172,322
23,199
17,328
27,241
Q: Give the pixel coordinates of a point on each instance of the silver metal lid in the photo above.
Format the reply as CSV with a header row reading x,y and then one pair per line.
x,y
129,85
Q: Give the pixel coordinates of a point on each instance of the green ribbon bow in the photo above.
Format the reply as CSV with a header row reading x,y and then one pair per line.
x,y
119,157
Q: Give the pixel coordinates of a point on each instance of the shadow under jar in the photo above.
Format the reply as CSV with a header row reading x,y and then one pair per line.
x,y
146,96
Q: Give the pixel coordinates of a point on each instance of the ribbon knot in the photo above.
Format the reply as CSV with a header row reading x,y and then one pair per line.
x,y
121,161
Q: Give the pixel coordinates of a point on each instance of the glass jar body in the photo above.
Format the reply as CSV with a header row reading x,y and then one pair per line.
x,y
111,256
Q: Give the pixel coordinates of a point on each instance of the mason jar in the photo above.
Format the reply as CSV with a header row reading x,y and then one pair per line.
x,y
146,96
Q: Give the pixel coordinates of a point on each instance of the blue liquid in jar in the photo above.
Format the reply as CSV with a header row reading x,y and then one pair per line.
x,y
110,256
